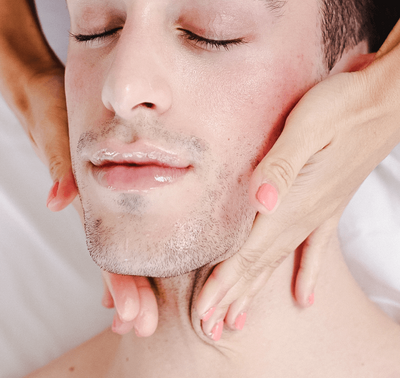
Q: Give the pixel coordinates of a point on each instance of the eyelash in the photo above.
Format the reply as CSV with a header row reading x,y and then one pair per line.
x,y
188,35
211,43
98,37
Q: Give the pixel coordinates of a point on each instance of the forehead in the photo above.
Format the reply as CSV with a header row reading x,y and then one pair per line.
x,y
93,6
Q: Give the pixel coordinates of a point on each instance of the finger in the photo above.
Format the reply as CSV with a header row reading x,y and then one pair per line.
x,y
237,313
233,307
253,275
146,322
107,300
228,273
62,193
313,252
121,327
125,295
276,173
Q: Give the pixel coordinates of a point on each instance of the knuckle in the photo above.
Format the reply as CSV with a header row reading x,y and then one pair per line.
x,y
56,166
283,170
253,273
274,261
247,258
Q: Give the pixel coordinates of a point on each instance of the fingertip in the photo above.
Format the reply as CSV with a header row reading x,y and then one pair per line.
x,y
208,314
304,294
125,295
120,327
267,196
52,195
240,321
107,300
146,322
311,299
209,297
145,325
62,193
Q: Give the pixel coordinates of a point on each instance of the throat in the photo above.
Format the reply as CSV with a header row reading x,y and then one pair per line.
x,y
176,298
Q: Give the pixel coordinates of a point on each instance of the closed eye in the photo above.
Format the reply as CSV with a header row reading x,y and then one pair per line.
x,y
98,37
210,43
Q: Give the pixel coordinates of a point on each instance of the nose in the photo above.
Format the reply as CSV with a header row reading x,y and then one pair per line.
x,y
137,79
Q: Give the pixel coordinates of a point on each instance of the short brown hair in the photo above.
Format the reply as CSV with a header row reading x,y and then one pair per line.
x,y
345,23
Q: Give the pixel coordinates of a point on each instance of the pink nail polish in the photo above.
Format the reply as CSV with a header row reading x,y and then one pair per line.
x,y
311,299
267,195
52,193
216,332
114,326
240,321
208,314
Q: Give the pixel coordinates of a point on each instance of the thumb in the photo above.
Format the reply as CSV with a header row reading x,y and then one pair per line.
x,y
276,173
64,189
63,192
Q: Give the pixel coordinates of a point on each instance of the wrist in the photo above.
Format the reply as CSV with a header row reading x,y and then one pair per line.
x,y
20,75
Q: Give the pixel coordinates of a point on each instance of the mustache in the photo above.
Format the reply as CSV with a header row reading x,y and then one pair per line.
x,y
141,127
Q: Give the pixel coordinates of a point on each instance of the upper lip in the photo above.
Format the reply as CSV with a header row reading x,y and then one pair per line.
x,y
138,154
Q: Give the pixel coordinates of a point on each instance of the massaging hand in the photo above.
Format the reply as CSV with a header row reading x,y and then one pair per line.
x,y
336,135
134,301
32,83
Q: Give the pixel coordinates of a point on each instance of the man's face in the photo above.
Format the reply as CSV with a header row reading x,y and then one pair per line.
x,y
172,103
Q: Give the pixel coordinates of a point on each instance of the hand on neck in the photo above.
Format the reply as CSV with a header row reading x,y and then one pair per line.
x,y
277,330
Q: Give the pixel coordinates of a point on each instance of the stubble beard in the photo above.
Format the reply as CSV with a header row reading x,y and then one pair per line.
x,y
198,239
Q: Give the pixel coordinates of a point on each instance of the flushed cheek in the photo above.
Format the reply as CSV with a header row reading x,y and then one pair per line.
x,y
246,108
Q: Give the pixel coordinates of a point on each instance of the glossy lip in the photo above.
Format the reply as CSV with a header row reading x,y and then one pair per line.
x,y
136,167
138,153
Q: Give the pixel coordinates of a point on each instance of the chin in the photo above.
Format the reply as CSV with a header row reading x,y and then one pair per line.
x,y
189,245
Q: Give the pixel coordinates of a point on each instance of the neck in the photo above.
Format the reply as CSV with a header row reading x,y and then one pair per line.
x,y
176,298
341,320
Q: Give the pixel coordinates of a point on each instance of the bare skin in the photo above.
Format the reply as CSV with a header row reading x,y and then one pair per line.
x,y
342,335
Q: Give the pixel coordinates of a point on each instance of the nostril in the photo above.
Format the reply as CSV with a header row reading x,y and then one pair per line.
x,y
148,105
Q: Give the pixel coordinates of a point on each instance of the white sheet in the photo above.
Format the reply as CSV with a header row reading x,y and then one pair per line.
x,y
51,290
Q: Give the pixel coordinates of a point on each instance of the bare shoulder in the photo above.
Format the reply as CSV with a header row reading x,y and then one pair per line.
x,y
91,359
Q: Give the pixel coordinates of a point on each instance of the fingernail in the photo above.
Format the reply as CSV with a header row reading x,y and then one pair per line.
x,y
216,332
311,299
209,297
114,327
120,327
240,321
107,301
267,195
208,314
137,333
52,193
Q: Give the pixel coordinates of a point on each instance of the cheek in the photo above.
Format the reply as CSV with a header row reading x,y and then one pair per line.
x,y
243,108
83,93
76,83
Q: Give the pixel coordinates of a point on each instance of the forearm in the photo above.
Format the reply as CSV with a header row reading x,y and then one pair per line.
x,y
24,53
385,77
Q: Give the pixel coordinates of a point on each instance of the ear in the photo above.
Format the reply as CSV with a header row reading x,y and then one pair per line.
x,y
354,59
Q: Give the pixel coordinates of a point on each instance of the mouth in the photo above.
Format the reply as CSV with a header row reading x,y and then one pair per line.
x,y
136,170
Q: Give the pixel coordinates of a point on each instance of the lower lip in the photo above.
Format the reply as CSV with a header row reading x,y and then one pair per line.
x,y
136,178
